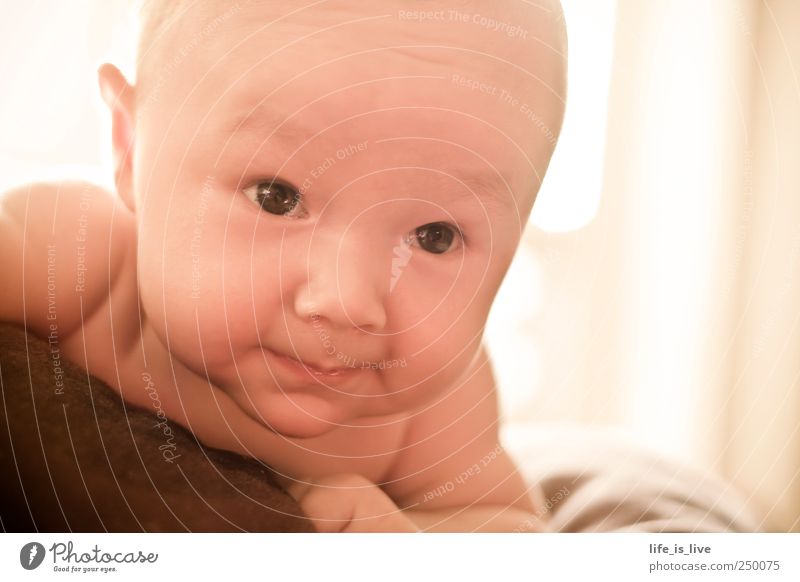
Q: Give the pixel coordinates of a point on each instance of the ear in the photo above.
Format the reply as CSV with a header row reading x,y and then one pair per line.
x,y
119,96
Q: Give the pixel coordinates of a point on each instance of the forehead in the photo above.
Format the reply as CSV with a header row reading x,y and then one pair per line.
x,y
449,82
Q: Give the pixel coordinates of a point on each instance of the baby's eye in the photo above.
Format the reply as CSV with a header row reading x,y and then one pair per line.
x,y
436,237
277,198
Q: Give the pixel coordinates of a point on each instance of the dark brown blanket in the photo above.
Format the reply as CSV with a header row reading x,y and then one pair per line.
x,y
74,457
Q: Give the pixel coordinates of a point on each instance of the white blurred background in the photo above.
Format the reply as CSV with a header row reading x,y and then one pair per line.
x,y
657,291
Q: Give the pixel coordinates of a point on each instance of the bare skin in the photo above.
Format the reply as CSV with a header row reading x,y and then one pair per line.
x,y
187,276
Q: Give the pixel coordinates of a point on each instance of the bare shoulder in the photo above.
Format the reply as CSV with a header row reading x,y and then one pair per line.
x,y
62,245
452,454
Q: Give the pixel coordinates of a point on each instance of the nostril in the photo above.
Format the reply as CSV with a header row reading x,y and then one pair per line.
x,y
304,305
343,293
372,323
350,307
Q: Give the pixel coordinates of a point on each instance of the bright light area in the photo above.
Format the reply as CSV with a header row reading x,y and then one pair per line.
x,y
570,194
680,150
569,200
52,125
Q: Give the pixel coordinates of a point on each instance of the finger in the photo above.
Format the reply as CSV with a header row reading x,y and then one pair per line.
x,y
377,512
299,489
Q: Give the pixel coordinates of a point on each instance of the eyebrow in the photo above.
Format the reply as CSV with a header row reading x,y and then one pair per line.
x,y
492,188
264,119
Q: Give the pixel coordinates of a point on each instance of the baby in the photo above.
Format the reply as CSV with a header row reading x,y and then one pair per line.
x,y
315,208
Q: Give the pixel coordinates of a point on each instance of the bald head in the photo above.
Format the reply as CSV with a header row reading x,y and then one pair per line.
x,y
510,55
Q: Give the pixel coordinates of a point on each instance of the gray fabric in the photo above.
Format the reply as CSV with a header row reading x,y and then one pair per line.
x,y
595,481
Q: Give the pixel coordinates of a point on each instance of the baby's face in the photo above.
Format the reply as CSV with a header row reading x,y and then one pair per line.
x,y
344,185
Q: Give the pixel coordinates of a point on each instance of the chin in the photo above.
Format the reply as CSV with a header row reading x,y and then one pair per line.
x,y
301,415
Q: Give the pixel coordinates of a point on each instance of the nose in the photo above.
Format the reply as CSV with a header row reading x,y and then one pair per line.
x,y
342,284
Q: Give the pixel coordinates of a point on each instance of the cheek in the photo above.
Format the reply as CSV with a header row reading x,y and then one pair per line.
x,y
191,261
438,349
435,296
434,361
438,333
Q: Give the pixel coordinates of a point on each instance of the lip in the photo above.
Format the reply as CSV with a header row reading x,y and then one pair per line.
x,y
305,371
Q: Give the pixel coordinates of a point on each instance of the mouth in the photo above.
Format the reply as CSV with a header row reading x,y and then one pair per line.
x,y
305,370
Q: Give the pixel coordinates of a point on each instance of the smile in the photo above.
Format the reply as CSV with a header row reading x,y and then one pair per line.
x,y
303,370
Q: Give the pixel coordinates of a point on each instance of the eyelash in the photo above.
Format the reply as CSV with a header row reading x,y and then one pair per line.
x,y
252,193
412,240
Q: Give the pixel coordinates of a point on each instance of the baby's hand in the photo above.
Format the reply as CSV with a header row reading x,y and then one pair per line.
x,y
349,503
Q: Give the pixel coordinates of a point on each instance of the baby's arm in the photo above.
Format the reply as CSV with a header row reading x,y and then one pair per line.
x,y
454,475
61,251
